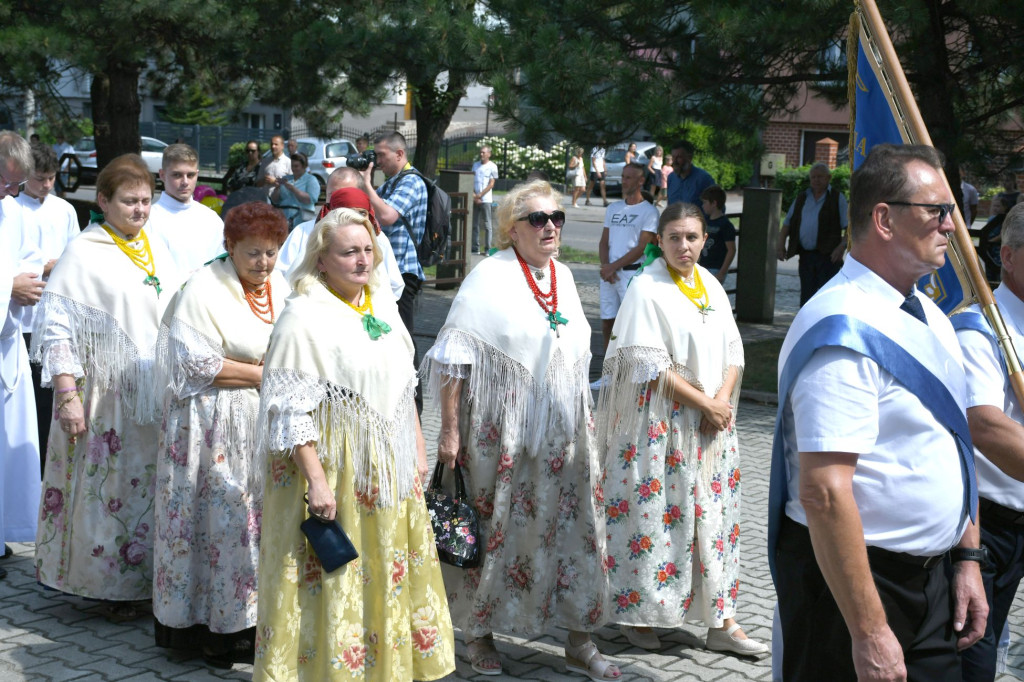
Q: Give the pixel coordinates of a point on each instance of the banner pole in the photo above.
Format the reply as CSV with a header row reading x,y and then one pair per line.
x,y
914,124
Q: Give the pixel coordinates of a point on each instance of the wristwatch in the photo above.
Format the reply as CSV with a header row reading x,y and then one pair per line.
x,y
970,554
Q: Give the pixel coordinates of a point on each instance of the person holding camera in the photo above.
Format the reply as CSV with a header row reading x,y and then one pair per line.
x,y
400,205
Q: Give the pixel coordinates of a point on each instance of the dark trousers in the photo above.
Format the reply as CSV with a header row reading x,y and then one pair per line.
x,y
44,407
406,310
815,269
816,643
1005,542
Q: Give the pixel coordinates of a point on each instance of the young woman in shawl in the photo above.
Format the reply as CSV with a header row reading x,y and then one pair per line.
x,y
510,371
339,423
207,506
95,333
672,477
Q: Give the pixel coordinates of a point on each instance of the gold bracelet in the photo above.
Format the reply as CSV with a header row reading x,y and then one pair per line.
x,y
66,401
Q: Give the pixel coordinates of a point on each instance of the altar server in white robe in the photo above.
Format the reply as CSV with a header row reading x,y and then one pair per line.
x,y
192,232
19,446
50,223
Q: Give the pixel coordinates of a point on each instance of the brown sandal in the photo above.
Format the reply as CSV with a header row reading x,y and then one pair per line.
x,y
481,650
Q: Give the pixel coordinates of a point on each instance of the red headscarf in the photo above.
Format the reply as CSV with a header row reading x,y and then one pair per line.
x,y
350,197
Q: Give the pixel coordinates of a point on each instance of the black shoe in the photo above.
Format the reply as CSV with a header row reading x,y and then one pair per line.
x,y
3,573
8,552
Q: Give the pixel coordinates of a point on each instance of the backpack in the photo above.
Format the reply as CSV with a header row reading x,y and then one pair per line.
x,y
433,248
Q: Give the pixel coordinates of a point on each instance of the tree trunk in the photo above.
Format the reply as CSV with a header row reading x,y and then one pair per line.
x,y
30,112
936,91
115,111
434,112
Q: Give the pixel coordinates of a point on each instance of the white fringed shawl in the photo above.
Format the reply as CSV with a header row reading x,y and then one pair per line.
x,y
521,373
97,294
347,390
210,320
659,328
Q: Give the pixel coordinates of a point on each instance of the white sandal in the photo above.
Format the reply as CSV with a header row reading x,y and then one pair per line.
x,y
585,659
723,640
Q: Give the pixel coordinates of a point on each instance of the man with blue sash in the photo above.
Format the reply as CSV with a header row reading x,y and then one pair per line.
x,y
995,418
872,480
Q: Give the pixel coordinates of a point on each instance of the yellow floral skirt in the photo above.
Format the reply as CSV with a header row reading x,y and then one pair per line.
x,y
384,616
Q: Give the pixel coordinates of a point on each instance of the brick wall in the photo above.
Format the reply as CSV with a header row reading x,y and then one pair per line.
x,y
785,138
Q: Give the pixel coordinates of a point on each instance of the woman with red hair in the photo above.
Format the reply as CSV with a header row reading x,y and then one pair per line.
x,y
207,507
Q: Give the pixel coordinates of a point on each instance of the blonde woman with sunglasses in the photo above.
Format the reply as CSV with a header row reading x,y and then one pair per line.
x,y
509,370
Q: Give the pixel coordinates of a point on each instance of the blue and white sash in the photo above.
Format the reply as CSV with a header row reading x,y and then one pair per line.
x,y
916,360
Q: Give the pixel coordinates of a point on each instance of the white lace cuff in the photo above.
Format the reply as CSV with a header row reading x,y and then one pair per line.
x,y
288,399
195,361
59,358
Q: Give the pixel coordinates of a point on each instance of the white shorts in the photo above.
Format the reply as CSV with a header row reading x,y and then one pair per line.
x,y
612,294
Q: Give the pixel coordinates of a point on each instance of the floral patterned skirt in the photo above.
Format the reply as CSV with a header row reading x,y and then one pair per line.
x,y
207,534
96,514
673,540
381,617
542,530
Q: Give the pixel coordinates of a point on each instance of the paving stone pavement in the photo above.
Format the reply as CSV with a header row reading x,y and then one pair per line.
x,y
45,635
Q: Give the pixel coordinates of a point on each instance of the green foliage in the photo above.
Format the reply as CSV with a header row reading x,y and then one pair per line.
x,y
72,129
728,156
792,181
992,192
236,153
196,108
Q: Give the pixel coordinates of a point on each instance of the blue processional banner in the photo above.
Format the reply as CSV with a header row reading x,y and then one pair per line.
x,y
877,121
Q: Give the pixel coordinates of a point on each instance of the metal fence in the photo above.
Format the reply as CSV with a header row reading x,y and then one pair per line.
x,y
458,151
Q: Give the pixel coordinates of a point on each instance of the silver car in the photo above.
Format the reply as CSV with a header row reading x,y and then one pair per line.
x,y
615,161
324,156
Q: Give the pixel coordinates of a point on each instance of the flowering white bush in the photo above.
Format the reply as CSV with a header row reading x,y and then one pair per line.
x,y
517,161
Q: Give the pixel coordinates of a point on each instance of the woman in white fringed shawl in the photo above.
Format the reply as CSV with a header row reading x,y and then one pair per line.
x,y
337,415
208,509
95,333
667,422
510,371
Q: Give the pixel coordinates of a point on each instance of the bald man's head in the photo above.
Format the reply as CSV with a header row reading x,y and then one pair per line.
x,y
345,177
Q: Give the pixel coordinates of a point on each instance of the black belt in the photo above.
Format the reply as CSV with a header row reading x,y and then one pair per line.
x,y
994,510
925,562
634,266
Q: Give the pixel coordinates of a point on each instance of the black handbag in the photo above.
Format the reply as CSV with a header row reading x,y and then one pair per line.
x,y
328,540
455,523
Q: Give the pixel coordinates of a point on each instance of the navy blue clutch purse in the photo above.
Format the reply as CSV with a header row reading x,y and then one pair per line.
x,y
328,540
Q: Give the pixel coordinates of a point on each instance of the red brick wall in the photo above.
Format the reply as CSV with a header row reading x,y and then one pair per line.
x,y
785,138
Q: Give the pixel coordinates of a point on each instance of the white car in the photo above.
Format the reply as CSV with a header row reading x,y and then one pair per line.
x,y
152,154
324,156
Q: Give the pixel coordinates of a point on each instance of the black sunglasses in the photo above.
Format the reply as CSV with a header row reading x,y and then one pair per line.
x,y
252,150
943,209
539,219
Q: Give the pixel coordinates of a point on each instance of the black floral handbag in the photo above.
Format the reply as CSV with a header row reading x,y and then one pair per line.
x,y
455,524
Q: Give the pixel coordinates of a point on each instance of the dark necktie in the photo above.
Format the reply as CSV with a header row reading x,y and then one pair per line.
x,y
913,306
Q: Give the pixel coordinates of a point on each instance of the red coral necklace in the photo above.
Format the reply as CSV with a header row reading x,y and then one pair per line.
x,y
260,302
548,302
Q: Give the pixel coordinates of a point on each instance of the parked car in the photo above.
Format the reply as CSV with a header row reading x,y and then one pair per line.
x,y
152,154
324,156
615,161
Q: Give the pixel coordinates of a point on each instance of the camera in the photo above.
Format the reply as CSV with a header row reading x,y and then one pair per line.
x,y
361,161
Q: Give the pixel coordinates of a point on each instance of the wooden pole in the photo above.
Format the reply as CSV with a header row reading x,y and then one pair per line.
x,y
914,124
